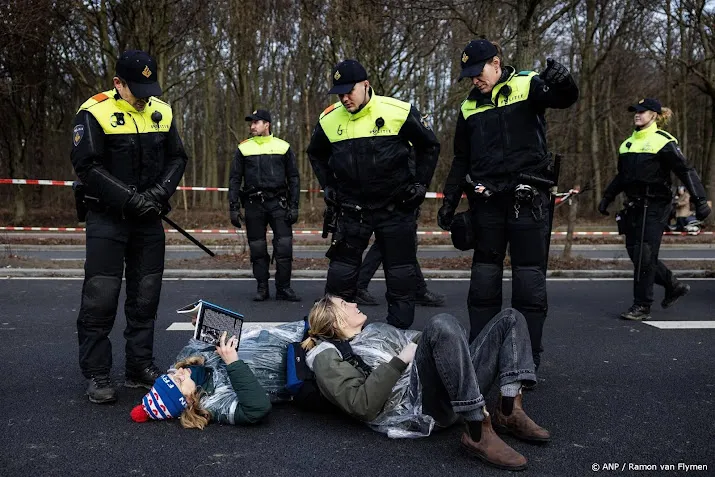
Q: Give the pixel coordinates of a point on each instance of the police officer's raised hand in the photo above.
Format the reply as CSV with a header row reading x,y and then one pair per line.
x,y
292,215
555,72
702,209
413,195
603,206
139,206
445,216
236,218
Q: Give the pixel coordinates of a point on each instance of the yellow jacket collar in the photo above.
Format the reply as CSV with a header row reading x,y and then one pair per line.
x,y
262,139
124,105
366,110
643,133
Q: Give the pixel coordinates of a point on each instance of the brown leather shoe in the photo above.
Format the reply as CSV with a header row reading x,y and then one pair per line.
x,y
518,424
491,449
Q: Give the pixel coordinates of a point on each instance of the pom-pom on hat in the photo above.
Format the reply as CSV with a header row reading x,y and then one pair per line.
x,y
163,401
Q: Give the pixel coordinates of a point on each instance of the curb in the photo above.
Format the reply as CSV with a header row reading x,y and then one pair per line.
x,y
429,273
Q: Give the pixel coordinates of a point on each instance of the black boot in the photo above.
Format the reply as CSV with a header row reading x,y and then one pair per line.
x,y
637,313
672,295
286,294
430,299
363,297
143,378
100,389
262,293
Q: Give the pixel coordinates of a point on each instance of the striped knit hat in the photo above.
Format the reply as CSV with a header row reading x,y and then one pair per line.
x,y
164,401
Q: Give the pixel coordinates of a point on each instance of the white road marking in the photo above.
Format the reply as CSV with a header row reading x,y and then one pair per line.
x,y
681,325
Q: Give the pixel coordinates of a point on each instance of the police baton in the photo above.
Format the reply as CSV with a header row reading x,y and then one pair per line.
x,y
640,248
187,235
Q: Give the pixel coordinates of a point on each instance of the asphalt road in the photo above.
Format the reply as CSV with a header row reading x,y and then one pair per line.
x,y
703,252
610,391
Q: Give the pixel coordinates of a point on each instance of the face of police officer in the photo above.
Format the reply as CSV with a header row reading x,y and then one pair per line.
x,y
643,119
260,127
489,76
123,89
357,97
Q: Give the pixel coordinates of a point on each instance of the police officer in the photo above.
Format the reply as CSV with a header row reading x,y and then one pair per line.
x,y
129,156
271,190
360,152
645,162
501,138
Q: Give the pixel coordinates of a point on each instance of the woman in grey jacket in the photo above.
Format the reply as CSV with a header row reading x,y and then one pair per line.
x,y
414,381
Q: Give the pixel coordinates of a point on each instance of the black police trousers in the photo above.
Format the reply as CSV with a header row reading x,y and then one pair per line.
x,y
499,221
371,262
394,231
652,270
114,243
259,214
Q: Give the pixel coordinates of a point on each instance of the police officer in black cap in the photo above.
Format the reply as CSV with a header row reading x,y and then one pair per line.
x,y
645,162
499,140
129,157
360,151
271,191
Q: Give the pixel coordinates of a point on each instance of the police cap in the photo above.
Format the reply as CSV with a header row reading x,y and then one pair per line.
x,y
475,56
345,75
259,115
139,70
646,104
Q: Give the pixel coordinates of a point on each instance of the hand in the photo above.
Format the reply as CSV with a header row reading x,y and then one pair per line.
x,y
292,215
139,206
157,193
408,353
702,209
227,348
555,72
603,206
329,195
413,195
445,216
236,218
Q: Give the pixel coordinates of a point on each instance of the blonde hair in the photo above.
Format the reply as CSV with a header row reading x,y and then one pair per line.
x,y
323,321
663,118
194,416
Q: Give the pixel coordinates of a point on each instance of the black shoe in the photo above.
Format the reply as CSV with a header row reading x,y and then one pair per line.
x,y
681,289
286,294
262,293
430,299
100,389
637,313
363,297
142,379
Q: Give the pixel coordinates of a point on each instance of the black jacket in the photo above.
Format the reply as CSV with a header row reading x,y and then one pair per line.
x,y
365,157
117,148
503,133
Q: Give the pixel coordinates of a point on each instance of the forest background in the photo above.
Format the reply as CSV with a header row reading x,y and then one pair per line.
x,y
222,59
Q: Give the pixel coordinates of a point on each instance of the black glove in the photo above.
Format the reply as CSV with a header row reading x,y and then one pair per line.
x,y
413,195
555,72
139,206
292,215
702,209
157,193
603,206
236,218
329,195
445,216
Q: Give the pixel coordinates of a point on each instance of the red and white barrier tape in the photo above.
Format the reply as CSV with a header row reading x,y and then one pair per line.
x,y
295,232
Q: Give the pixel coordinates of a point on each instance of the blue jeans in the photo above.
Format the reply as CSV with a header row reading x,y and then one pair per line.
x,y
454,375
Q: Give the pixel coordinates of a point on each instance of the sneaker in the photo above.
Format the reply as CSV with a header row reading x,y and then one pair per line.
x,y
430,299
262,293
100,389
286,294
637,313
363,297
681,289
142,379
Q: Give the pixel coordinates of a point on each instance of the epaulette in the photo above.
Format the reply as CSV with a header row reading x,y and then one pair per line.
x,y
99,97
396,103
665,135
245,140
524,73
328,110
159,101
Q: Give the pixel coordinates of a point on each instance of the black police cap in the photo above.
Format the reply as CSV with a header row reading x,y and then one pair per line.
x,y
259,115
474,56
646,104
139,70
345,75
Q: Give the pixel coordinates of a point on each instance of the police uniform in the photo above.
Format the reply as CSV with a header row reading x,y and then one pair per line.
x,y
267,168
645,162
362,159
130,163
500,135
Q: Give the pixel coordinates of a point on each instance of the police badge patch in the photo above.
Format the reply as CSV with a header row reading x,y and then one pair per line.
x,y
77,134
